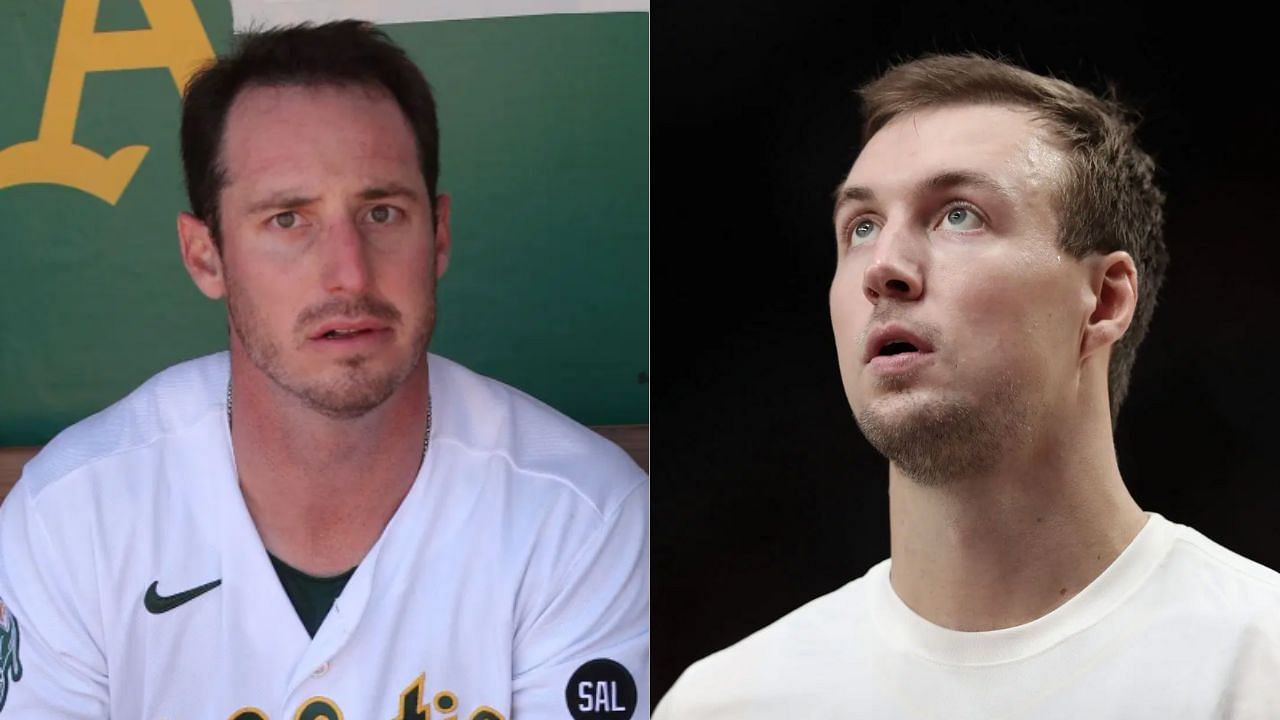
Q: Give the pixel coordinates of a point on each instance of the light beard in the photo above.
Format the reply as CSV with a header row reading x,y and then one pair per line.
x,y
356,391
938,441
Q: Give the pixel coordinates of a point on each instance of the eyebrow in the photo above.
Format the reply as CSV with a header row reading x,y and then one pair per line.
x,y
378,192
948,180
286,199
291,199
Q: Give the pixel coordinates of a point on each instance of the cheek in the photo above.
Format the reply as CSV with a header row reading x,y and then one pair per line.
x,y
850,310
1018,324
407,281
409,271
266,296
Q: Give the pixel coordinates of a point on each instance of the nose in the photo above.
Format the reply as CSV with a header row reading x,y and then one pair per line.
x,y
345,258
896,267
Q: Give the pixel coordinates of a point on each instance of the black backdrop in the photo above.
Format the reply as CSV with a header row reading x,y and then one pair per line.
x,y
766,495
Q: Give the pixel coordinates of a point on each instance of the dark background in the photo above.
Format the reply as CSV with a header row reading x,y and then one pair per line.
x,y
767,495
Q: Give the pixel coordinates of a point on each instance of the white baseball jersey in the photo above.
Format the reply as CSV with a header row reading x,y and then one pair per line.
x,y
1177,627
512,582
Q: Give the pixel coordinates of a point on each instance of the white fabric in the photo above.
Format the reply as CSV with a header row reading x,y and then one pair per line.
x,y
251,14
520,553
1176,627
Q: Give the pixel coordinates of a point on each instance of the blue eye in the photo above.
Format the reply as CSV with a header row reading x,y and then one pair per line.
x,y
863,231
962,218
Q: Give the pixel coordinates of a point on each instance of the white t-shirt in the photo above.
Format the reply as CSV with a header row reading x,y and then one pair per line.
x,y
515,570
1176,627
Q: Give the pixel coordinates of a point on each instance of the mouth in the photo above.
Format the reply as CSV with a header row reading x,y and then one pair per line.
x,y
340,331
892,341
342,334
894,349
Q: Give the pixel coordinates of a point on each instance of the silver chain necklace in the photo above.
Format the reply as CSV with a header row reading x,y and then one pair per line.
x,y
426,440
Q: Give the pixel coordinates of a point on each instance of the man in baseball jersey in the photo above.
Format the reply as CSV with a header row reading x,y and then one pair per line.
x,y
325,521
999,250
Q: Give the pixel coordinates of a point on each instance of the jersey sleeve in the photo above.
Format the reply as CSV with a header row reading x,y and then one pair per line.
x,y
587,653
50,665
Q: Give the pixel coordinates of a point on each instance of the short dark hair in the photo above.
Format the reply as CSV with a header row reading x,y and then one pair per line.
x,y
1108,200
341,53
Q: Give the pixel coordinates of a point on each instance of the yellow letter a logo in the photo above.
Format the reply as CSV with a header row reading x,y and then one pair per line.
x,y
176,40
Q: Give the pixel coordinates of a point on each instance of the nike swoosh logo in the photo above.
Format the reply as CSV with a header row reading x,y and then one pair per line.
x,y
157,603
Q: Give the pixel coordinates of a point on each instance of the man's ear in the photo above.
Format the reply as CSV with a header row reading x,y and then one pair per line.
x,y
1114,284
200,256
443,241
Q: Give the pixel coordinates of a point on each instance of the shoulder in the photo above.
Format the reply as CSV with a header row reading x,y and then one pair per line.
x,y
165,404
1221,611
1224,582
492,422
772,666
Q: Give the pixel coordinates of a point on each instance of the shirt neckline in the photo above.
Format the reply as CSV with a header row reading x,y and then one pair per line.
x,y
900,625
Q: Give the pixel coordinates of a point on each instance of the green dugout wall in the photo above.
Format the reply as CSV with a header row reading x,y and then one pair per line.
x,y
544,149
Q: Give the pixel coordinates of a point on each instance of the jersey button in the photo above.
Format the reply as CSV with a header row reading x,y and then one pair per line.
x,y
324,668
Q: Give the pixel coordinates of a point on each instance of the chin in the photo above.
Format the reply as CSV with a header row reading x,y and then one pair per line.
x,y
896,398
936,437
347,387
349,397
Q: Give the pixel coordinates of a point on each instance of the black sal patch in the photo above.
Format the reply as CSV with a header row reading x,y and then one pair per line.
x,y
601,690
10,665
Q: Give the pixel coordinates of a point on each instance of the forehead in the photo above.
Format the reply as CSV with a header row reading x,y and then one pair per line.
x,y
1006,144
282,135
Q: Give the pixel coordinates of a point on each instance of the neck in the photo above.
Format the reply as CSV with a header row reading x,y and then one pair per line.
x,y
1000,550
321,490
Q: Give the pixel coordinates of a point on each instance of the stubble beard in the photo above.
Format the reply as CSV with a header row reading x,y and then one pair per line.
x,y
359,388
936,441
